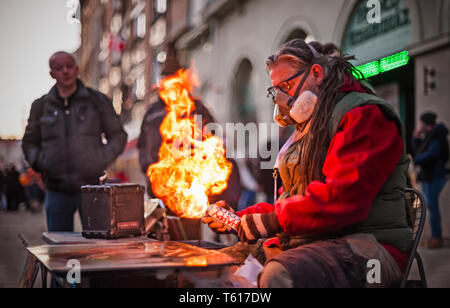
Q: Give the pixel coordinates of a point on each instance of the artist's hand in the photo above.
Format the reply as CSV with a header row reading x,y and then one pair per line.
x,y
215,225
258,226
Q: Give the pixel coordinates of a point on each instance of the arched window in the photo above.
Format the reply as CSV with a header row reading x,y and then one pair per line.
x,y
243,105
295,34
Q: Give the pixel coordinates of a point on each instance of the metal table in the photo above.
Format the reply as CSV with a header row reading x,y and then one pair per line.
x,y
130,257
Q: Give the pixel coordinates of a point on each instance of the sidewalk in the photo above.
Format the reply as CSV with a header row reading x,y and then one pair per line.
x,y
12,255
12,251
437,266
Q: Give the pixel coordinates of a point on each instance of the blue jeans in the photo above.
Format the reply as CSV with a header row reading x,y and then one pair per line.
x,y
60,209
247,199
432,190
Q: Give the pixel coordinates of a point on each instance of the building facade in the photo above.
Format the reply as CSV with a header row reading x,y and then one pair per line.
x,y
229,41
125,43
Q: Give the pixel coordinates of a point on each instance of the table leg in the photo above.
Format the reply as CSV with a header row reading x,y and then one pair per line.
x,y
44,276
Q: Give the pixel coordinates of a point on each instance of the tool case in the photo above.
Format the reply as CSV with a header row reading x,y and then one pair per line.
x,y
112,211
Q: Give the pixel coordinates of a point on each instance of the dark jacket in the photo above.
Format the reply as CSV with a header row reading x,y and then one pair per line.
x,y
64,143
432,153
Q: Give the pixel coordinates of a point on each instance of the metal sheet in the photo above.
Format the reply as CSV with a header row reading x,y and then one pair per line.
x,y
150,255
68,238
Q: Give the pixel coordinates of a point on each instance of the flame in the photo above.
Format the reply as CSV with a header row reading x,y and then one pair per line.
x,y
198,261
192,164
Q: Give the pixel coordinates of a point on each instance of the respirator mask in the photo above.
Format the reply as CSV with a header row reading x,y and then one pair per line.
x,y
303,107
301,110
282,120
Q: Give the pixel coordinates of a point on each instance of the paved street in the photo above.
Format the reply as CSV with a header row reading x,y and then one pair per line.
x,y
31,226
12,251
437,266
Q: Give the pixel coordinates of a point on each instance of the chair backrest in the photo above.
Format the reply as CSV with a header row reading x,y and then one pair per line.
x,y
416,212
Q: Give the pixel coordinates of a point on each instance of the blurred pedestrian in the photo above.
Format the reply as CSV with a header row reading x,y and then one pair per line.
x,y
15,193
431,151
34,188
2,190
63,140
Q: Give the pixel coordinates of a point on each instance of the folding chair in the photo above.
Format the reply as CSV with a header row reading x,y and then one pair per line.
x,y
416,215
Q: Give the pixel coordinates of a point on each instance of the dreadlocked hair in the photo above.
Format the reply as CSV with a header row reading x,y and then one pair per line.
x,y
338,71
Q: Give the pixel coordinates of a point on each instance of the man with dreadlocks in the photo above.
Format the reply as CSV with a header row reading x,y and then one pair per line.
x,y
343,173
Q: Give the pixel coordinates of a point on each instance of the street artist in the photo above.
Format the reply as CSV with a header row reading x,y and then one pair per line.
x,y
343,173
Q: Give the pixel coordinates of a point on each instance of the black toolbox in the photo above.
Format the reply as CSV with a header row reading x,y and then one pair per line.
x,y
112,211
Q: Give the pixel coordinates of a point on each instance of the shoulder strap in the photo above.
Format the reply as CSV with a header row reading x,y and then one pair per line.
x,y
356,99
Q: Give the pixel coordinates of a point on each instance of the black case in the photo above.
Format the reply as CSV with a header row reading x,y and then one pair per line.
x,y
112,211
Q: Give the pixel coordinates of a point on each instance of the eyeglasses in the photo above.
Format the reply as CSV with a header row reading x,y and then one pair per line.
x,y
283,86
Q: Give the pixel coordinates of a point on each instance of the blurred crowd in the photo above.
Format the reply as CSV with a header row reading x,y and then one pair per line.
x,y
21,189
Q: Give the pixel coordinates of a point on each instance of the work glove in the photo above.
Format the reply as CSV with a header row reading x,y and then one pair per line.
x,y
258,226
215,225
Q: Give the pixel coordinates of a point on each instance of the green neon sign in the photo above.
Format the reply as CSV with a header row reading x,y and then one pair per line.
x,y
394,61
370,69
386,64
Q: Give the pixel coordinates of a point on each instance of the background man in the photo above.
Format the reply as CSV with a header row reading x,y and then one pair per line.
x,y
150,139
64,140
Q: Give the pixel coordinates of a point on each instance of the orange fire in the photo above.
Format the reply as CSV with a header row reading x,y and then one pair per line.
x,y
197,261
192,163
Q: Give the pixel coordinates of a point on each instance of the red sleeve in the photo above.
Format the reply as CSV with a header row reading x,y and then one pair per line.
x,y
361,156
260,208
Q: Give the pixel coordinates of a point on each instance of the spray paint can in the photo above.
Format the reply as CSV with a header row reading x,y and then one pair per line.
x,y
224,216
